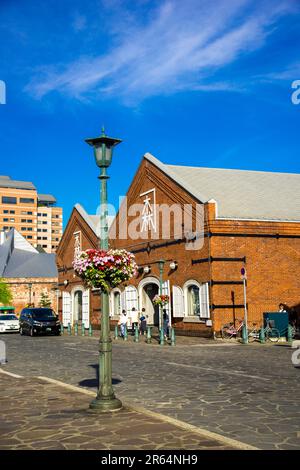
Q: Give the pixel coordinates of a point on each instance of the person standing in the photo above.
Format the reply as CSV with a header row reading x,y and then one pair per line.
x,y
134,319
282,308
123,322
143,322
165,323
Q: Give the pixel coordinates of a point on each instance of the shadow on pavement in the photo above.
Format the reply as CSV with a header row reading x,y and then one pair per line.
x,y
93,383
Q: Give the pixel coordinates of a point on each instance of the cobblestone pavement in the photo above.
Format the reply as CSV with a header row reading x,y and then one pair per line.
x,y
46,416
245,392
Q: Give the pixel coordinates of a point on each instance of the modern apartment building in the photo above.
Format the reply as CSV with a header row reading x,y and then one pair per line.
x,y
34,215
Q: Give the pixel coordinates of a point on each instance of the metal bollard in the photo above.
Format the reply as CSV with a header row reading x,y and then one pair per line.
x,y
61,329
116,332
262,338
136,334
90,330
173,339
82,329
244,335
161,337
290,333
69,329
148,340
125,333
76,329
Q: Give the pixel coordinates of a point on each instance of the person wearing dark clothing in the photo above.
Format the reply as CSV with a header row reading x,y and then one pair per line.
x,y
143,322
165,323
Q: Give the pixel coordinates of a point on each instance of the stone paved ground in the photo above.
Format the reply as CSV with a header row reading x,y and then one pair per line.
x,y
37,415
249,393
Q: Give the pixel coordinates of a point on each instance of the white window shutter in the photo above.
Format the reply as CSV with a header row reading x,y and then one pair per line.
x,y
123,300
131,299
86,308
66,308
178,302
204,301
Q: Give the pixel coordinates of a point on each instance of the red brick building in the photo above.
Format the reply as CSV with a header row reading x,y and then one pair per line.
x,y
28,273
229,219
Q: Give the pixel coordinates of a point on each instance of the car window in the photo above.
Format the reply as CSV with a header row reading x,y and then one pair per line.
x,y
43,313
8,317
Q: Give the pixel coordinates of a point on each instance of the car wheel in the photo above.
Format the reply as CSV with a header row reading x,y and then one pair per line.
x,y
21,331
31,332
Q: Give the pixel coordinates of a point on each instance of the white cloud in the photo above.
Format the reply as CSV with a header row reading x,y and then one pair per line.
x,y
292,72
180,47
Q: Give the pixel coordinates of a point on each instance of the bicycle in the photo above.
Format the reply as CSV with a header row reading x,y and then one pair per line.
x,y
229,331
271,334
254,333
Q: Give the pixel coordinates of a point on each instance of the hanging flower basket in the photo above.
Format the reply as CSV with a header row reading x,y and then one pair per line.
x,y
105,269
161,300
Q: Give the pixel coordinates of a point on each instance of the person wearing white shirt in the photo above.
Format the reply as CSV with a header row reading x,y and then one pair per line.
x,y
134,319
123,322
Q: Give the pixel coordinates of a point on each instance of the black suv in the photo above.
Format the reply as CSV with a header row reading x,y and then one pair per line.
x,y
39,320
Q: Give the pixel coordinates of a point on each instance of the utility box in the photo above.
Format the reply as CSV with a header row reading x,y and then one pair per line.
x,y
278,320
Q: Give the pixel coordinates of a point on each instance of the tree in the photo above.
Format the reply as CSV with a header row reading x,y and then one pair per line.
x,y
5,293
45,300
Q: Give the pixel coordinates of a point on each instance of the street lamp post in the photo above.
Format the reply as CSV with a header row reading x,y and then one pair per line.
x,y
105,399
30,290
161,264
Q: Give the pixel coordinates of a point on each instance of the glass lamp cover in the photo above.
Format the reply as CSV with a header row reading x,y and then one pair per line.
x,y
108,155
103,155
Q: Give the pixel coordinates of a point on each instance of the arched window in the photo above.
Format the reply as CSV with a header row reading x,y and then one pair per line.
x,y
193,300
117,303
196,299
78,306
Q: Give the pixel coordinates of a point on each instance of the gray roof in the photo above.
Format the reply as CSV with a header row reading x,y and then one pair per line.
x,y
240,194
6,182
26,264
19,259
46,198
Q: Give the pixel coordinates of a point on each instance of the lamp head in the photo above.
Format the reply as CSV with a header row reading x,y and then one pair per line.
x,y
103,148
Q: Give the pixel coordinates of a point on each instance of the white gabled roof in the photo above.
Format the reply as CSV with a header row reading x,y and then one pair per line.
x,y
93,221
21,243
240,194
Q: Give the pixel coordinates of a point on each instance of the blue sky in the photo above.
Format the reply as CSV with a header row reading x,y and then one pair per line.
x,y
199,82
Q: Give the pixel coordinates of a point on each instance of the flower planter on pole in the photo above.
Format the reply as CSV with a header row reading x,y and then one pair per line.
x,y
104,269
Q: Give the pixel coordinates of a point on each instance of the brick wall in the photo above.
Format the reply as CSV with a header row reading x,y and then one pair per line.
x,y
20,288
272,261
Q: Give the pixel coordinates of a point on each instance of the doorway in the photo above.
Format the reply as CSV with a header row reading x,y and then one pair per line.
x,y
148,292
77,314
